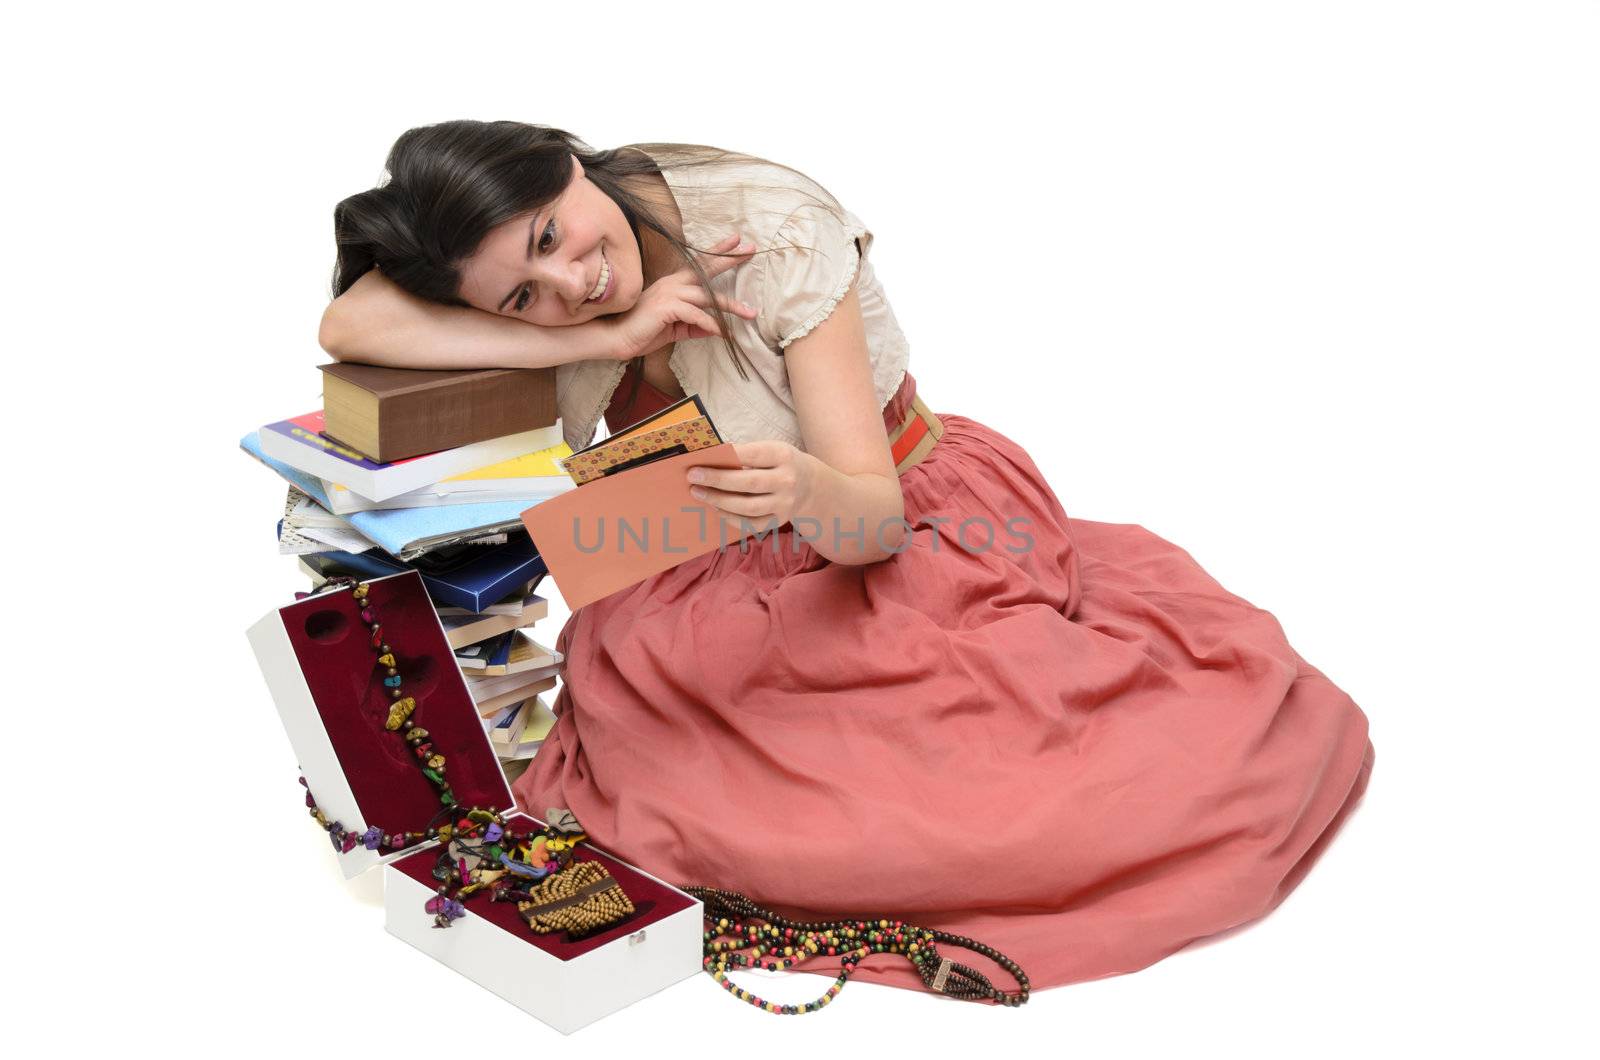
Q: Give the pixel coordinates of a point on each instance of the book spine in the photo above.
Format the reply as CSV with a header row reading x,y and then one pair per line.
x,y
476,409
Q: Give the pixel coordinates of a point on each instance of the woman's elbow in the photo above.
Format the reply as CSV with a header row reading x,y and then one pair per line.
x,y
892,539
331,333
345,339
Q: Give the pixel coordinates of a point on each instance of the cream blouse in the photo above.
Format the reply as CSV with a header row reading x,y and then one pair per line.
x,y
818,249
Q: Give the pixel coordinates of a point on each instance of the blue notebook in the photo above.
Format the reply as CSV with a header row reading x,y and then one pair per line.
x,y
470,577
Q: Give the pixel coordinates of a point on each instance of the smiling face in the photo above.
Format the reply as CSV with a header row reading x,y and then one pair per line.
x,y
543,268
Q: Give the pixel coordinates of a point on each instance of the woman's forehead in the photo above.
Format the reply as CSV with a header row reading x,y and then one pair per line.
x,y
500,260
502,257
510,240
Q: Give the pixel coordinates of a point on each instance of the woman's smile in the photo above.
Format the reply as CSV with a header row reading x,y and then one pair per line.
x,y
603,286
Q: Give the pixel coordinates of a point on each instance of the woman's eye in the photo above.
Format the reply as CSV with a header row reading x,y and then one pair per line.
x,y
545,239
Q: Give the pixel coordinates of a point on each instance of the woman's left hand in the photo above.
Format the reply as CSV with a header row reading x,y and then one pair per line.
x,y
774,483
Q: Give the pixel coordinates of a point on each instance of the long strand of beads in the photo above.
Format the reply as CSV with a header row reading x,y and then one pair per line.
x,y
531,854
739,925
535,853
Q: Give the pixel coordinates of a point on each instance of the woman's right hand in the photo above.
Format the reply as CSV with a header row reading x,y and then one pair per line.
x,y
675,307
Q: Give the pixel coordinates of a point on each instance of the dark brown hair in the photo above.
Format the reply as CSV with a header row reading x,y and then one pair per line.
x,y
450,183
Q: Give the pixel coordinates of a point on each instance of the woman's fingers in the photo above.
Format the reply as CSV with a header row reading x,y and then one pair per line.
x,y
748,505
745,480
696,295
678,304
696,317
736,307
764,453
725,255
727,303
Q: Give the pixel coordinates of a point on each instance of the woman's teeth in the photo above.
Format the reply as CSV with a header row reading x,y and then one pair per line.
x,y
602,283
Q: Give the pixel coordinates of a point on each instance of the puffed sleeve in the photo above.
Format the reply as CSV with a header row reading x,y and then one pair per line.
x,y
813,262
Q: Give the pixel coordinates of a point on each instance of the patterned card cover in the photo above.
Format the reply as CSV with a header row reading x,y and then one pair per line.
x,y
686,427
642,448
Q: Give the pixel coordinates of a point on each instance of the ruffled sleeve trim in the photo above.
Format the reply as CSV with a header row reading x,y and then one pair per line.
x,y
821,313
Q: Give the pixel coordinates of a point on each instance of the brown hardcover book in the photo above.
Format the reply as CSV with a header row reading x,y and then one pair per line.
x,y
391,414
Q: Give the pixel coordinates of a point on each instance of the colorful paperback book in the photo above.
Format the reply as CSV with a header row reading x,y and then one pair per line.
x,y
516,653
301,443
529,478
406,532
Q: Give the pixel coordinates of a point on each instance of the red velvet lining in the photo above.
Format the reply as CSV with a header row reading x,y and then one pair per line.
x,y
334,649
651,901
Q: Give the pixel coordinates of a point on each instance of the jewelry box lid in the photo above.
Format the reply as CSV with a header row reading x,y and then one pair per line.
x,y
321,660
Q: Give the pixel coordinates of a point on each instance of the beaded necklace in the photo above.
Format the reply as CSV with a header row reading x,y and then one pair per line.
x,y
741,934
480,851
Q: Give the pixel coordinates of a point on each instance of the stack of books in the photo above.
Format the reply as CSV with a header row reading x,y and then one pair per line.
x,y
407,469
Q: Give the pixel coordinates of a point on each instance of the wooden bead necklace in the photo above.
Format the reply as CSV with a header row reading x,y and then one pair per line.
x,y
743,935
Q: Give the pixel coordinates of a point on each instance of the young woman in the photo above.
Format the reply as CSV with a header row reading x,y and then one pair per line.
x,y
931,694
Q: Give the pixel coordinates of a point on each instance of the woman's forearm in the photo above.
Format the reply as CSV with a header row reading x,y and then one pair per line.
x,y
852,519
377,322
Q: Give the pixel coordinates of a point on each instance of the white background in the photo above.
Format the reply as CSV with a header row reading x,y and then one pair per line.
x,y
1308,289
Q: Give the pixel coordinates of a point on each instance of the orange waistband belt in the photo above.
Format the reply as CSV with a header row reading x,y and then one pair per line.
x,y
914,438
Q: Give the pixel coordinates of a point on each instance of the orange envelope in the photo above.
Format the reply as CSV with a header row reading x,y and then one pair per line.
x,y
618,530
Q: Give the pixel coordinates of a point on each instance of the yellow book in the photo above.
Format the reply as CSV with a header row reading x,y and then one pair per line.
x,y
532,477
546,462
534,728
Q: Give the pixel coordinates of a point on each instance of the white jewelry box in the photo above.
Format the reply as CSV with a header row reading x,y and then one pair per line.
x,y
647,953
320,667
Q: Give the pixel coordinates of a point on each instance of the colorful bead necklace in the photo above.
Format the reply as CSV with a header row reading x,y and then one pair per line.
x,y
743,935
480,852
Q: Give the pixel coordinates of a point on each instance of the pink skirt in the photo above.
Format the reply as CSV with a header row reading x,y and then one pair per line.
x,y
1073,744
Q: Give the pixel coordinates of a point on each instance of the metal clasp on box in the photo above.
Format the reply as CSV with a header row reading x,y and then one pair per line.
x,y
636,938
